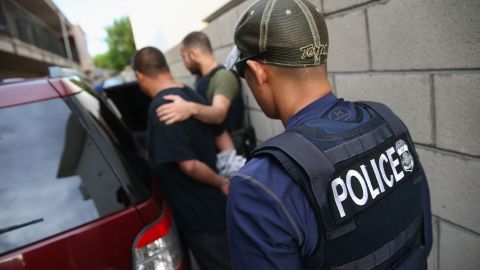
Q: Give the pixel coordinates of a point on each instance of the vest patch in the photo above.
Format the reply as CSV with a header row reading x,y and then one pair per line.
x,y
366,182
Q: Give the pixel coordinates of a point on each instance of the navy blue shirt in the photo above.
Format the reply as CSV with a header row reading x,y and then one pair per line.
x,y
270,223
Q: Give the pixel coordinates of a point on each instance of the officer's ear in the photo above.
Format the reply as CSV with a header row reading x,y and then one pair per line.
x,y
258,72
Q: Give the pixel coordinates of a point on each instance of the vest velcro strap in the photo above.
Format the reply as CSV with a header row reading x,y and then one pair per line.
x,y
387,251
393,121
284,161
342,230
358,145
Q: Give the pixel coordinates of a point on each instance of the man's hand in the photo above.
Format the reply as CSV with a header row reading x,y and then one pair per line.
x,y
200,172
176,111
225,186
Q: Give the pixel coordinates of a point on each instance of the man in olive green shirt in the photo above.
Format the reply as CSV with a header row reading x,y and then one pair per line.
x,y
223,82
219,86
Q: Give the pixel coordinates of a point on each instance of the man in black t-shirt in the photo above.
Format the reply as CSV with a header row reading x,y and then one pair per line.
x,y
184,155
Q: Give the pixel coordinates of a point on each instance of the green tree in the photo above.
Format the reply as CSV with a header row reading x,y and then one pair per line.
x,y
121,46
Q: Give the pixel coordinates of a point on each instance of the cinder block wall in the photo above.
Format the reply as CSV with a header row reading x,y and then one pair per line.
x,y
422,58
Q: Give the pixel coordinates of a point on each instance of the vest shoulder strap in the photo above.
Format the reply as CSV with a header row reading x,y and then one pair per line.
x,y
386,113
215,70
358,145
313,161
203,83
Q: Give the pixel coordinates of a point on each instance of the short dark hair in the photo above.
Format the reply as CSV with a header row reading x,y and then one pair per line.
x,y
150,61
302,73
198,40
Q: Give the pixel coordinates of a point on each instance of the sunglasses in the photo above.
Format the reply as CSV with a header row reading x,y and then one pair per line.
x,y
235,60
241,65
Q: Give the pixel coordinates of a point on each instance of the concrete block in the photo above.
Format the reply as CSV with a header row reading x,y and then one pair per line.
x,y
251,102
317,3
454,186
173,54
178,70
457,99
277,127
459,249
213,32
245,91
226,27
331,79
348,47
433,257
407,95
262,125
335,5
188,81
429,34
243,7
221,54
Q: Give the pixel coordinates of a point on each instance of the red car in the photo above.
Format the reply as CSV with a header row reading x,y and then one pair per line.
x,y
75,189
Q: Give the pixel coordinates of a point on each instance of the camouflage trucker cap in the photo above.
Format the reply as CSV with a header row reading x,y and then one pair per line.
x,y
289,33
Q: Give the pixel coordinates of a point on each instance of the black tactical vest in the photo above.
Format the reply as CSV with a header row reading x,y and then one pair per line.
x,y
365,187
234,118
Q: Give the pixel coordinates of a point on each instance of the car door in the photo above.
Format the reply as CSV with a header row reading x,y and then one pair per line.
x,y
63,206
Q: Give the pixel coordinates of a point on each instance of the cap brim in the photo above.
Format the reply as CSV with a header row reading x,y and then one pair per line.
x,y
232,58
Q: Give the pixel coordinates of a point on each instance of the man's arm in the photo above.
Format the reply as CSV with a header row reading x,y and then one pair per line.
x,y
180,109
262,233
200,172
225,88
224,142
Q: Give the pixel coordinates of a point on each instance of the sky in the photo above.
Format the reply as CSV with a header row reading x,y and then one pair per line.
x,y
160,23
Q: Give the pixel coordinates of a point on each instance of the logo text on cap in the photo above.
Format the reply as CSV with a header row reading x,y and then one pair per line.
x,y
313,50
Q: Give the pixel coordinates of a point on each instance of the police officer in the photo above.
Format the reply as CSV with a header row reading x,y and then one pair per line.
x,y
342,187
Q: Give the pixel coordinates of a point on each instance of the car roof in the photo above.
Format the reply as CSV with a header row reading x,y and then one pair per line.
x,y
32,90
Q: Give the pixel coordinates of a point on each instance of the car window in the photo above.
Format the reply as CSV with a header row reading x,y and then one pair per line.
x,y
112,82
52,175
116,142
3,21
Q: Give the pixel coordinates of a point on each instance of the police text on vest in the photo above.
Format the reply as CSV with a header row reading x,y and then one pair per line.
x,y
373,177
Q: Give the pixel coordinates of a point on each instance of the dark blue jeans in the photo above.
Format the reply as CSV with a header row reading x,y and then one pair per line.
x,y
210,249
